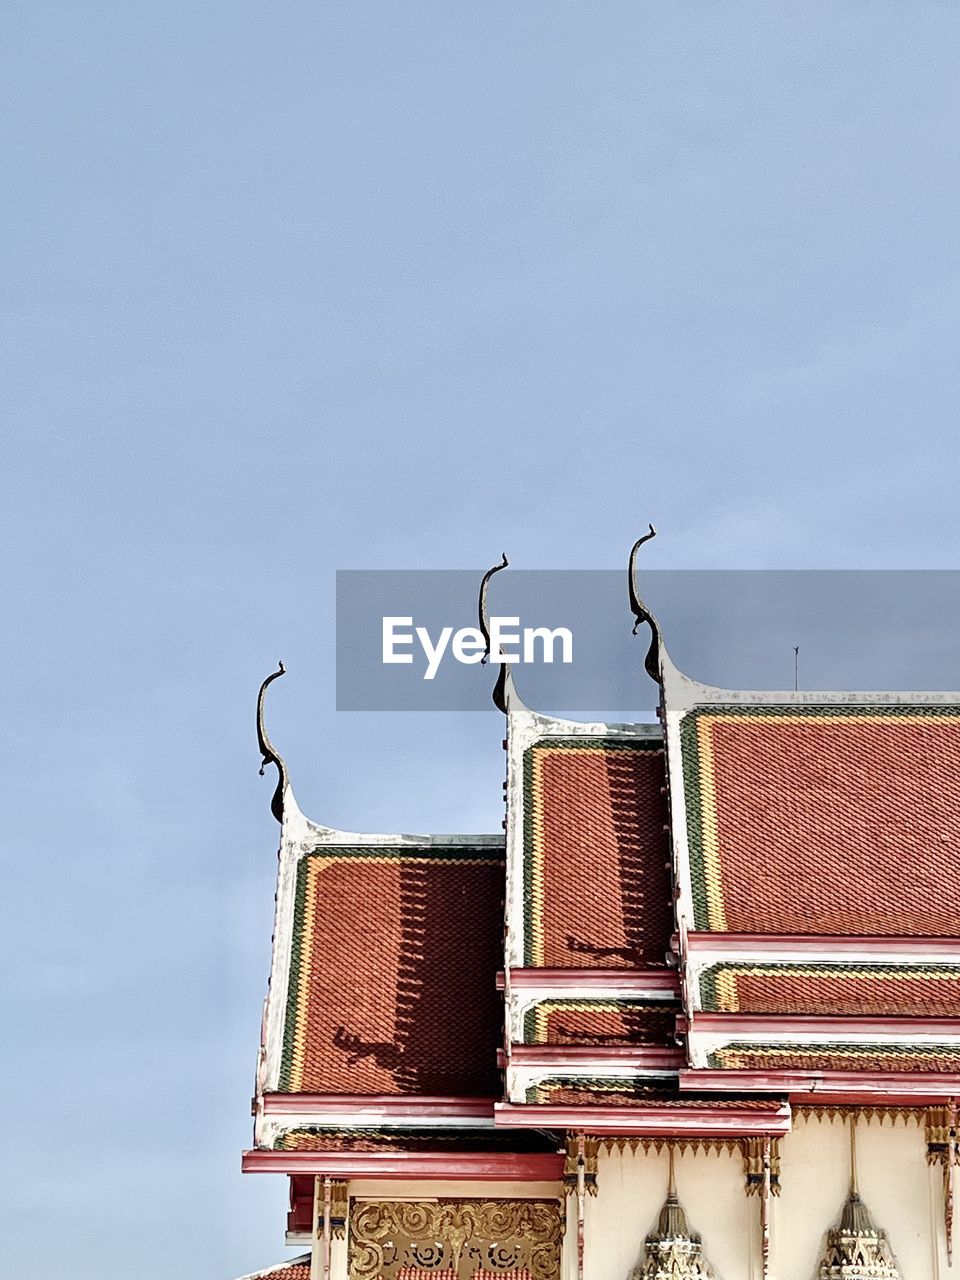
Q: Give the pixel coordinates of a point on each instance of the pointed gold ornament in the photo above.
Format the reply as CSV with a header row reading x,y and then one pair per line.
x,y
672,1251
857,1249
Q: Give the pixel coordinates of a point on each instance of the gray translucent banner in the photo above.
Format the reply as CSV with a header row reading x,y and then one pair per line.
x,y
856,629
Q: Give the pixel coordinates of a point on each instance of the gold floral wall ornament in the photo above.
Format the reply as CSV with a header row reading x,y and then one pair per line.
x,y
857,1249
571,1165
753,1170
338,1209
460,1238
591,1154
672,1251
581,1148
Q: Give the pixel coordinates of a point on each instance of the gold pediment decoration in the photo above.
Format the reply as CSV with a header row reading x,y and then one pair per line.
x,y
672,1251
857,1249
455,1238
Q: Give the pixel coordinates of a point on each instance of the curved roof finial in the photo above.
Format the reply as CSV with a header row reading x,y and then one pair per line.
x,y
642,614
267,749
499,692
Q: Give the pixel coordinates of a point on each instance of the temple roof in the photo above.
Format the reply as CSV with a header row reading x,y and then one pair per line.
x,y
381,943
759,894
589,904
296,1269
817,860
823,818
867,989
588,855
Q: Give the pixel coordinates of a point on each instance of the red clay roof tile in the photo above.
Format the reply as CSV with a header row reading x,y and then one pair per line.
x,y
824,820
392,986
295,1269
832,989
595,854
566,1021
837,1057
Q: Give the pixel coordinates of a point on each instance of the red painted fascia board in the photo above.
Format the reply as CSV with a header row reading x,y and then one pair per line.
x,y
820,1098
654,1122
362,1104
905,1086
829,1024
445,1166
656,982
653,1058
841,944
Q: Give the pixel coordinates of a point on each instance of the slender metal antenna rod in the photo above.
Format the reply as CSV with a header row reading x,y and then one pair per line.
x,y
796,667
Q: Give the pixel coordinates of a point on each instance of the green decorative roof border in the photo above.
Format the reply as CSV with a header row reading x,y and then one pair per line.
x,y
713,1001
540,1093
583,1004
473,1139
719,1058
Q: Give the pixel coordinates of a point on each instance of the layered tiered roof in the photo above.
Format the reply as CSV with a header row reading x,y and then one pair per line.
x,y
592,994
818,869
687,926
382,945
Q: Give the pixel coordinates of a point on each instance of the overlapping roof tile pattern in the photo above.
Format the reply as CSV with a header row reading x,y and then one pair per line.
x,y
817,857
392,982
837,1056
596,887
862,989
296,1269
824,819
567,1021
613,1092
315,1138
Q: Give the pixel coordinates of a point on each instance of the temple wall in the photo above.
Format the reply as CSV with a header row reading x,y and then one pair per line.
x,y
903,1194
632,1187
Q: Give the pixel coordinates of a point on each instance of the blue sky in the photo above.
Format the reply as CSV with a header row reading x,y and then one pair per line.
x,y
293,288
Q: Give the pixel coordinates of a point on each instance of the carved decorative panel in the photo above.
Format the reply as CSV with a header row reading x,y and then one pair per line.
x,y
456,1239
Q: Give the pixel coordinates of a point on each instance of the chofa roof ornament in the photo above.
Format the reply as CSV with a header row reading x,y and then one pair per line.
x,y
672,1251
500,688
857,1249
642,614
267,749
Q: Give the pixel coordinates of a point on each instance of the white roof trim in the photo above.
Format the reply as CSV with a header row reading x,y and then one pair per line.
x,y
682,694
302,1260
298,838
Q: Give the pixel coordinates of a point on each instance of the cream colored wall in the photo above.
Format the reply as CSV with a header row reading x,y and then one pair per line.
x,y
633,1186
901,1191
895,1183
